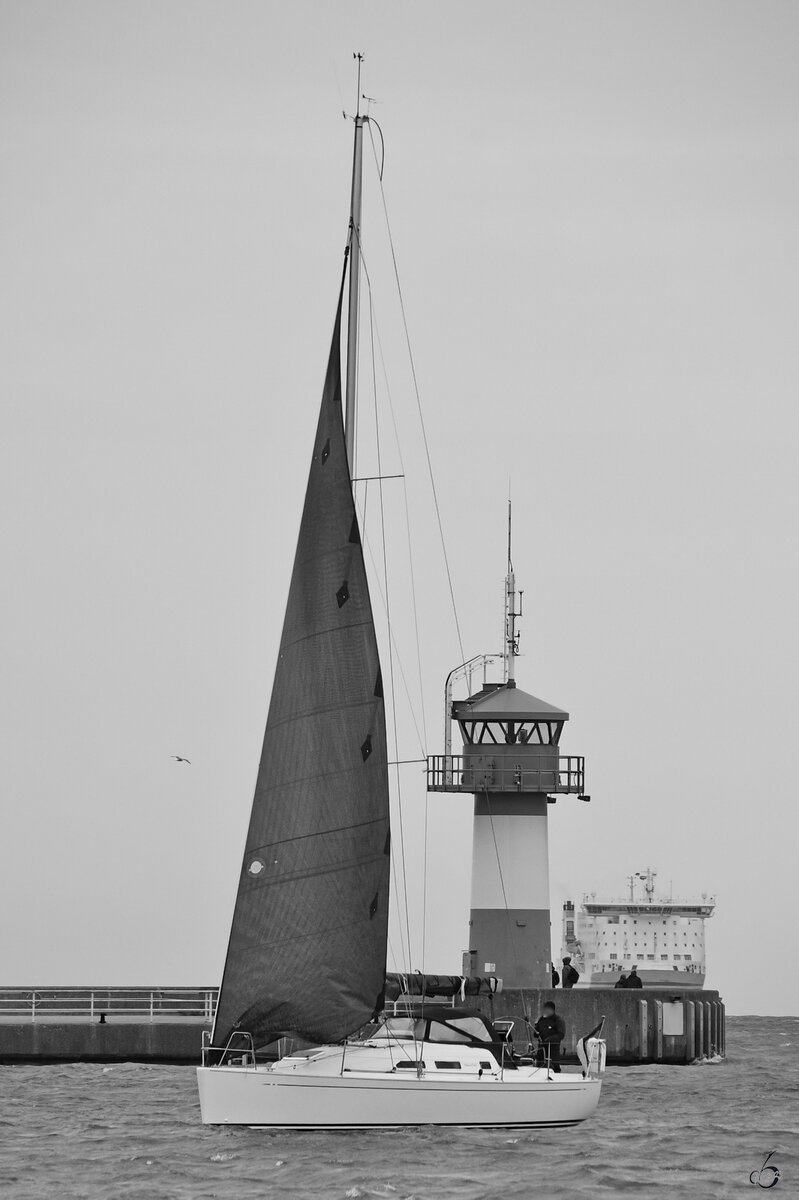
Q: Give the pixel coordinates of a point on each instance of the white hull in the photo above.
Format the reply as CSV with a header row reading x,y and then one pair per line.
x,y
257,1096
322,1092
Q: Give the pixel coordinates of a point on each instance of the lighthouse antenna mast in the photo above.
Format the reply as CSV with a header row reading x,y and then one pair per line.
x,y
511,638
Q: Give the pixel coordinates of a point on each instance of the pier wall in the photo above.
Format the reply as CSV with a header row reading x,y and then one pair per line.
x,y
641,1026
120,1042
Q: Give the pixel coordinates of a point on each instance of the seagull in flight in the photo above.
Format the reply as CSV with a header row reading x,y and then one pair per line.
x,y
177,758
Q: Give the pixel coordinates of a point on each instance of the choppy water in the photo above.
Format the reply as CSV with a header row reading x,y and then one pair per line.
x,y
133,1132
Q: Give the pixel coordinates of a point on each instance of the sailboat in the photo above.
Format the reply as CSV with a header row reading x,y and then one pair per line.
x,y
308,944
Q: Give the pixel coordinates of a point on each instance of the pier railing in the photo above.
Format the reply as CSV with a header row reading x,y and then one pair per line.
x,y
457,773
99,1004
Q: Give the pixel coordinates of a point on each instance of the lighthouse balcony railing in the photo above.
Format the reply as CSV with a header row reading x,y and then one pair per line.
x,y
456,773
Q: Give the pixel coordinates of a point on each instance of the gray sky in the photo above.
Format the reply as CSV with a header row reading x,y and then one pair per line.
x,y
594,209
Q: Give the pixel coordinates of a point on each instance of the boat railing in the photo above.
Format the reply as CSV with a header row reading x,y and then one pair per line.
x,y
82,1005
459,773
238,1051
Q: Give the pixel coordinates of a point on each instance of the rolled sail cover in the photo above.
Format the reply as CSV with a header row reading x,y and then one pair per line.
x,y
307,950
416,984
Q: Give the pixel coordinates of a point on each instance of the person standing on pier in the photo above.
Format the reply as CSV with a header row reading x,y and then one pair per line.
x,y
633,980
570,976
550,1029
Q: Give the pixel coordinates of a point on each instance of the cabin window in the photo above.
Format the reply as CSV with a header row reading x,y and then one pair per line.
x,y
395,1027
462,1029
447,1065
410,1064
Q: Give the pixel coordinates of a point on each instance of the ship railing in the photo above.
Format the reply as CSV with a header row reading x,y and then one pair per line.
x,y
459,773
138,1005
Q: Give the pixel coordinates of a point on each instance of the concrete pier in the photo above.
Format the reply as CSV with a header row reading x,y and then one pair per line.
x,y
647,1025
102,1024
106,1043
651,1025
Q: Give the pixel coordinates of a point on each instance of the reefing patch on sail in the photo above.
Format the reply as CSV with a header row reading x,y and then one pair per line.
x,y
307,948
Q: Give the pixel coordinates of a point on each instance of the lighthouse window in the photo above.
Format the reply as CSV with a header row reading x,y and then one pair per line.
x,y
484,732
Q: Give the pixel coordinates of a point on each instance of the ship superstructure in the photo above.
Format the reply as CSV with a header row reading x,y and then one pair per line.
x,y
662,936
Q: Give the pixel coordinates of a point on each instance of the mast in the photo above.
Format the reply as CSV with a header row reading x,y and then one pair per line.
x,y
355,277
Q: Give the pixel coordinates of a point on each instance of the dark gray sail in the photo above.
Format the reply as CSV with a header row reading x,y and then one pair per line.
x,y
307,950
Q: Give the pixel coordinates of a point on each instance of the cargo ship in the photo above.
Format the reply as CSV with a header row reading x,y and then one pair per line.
x,y
662,937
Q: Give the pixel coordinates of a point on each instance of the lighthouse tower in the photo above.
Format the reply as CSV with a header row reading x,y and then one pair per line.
x,y
512,765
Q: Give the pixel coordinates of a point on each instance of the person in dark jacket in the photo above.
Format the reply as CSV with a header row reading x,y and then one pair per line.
x,y
621,982
550,1029
633,981
555,977
570,976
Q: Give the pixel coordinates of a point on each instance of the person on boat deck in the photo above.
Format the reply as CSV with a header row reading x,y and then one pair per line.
x,y
550,1029
633,980
621,982
570,976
